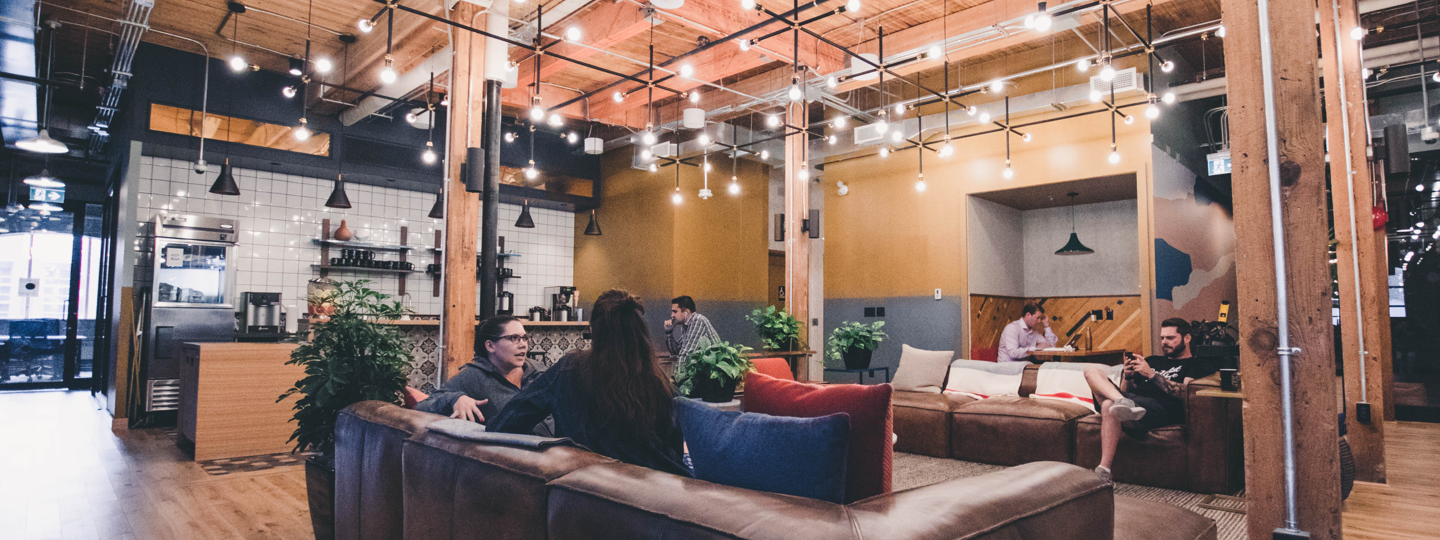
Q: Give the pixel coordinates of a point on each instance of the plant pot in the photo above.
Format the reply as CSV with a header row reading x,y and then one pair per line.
x,y
789,345
320,488
713,391
857,358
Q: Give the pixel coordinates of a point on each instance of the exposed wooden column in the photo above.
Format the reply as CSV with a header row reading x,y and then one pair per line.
x,y
1299,146
1350,195
462,209
797,241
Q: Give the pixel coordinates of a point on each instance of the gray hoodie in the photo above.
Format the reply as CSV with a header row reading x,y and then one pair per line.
x,y
480,379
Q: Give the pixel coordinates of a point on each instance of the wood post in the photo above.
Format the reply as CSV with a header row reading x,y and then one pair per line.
x,y
462,209
1302,176
797,241
1350,195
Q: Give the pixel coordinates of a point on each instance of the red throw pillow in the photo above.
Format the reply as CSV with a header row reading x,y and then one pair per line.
x,y
413,397
871,423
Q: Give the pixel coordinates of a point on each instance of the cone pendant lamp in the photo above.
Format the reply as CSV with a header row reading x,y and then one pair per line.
x,y
225,183
525,222
338,198
593,229
438,211
1073,247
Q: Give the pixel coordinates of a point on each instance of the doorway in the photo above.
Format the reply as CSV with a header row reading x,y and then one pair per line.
x,y
49,296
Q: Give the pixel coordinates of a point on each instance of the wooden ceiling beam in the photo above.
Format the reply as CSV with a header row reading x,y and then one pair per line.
x,y
602,28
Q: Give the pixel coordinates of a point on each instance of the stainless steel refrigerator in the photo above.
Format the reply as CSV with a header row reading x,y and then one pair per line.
x,y
192,298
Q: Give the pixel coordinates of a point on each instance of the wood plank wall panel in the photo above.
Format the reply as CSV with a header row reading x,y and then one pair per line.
x,y
990,314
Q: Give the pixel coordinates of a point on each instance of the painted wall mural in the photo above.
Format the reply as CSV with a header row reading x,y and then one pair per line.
x,y
1194,244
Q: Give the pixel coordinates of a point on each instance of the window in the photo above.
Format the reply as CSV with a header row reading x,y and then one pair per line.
x,y
187,122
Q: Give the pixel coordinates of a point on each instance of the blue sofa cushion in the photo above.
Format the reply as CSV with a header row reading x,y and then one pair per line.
x,y
804,457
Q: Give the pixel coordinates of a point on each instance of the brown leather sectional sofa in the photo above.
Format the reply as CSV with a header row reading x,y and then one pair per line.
x,y
1204,455
413,475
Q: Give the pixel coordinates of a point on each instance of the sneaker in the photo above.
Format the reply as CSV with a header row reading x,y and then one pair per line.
x,y
1104,474
1125,410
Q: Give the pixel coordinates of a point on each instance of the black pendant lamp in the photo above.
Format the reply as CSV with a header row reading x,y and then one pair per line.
x,y
1073,247
338,198
593,229
225,183
525,222
438,211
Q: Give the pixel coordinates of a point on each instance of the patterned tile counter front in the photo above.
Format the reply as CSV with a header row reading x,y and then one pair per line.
x,y
553,339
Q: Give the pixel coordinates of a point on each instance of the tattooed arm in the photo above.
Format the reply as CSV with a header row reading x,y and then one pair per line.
x,y
1174,389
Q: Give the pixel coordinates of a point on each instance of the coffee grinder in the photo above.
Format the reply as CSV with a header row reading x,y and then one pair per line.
x,y
563,302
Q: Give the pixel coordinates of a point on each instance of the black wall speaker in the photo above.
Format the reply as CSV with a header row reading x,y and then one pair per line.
x,y
474,170
1397,150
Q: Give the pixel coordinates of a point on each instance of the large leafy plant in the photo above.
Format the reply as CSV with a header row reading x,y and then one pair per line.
x,y
778,329
722,361
349,358
853,335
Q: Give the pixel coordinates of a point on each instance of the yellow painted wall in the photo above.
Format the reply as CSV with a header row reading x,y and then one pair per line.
x,y
885,239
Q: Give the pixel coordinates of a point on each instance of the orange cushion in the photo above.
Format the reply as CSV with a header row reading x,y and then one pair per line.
x,y
413,397
867,469
985,354
774,367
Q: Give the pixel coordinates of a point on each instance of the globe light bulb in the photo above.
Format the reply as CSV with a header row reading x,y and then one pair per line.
x,y
572,33
1152,111
388,75
708,168
832,82
852,6
676,198
531,173
1083,65
323,65
884,151
555,120
1107,73
744,44
428,157
704,140
509,137
946,150
764,154
985,118
1030,21
840,122
935,51
1357,33
734,187
301,133
772,120
366,26
1114,157
618,97
694,96
971,110
648,138
1027,137
687,71
572,138
834,139
445,102
1096,96
795,93
237,63
897,136
920,184
899,109
997,86
804,172
747,4
646,154
1129,119
653,168
1008,173
410,117
1435,77
881,127
1167,66
290,91
1169,97
536,113
1042,22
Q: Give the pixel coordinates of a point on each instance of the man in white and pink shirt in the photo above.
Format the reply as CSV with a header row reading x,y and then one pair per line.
x,y
1025,336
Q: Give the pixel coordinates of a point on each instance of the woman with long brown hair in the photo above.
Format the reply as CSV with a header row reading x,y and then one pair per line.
x,y
614,398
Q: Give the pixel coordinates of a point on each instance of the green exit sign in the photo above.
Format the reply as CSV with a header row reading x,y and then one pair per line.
x,y
1218,163
47,195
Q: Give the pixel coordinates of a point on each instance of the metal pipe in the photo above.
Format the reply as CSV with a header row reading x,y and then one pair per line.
x,y
1350,190
1277,229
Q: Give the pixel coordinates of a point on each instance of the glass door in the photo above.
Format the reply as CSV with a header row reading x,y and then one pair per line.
x,y
36,252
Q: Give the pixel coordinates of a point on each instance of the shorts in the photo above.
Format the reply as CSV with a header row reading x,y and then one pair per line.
x,y
1157,413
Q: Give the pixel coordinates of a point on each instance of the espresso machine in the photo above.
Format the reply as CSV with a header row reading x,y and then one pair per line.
x,y
261,313
563,303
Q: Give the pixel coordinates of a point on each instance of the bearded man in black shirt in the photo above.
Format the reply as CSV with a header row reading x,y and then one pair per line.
x,y
1151,393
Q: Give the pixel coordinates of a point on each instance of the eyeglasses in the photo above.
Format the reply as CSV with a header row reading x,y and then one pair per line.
x,y
517,338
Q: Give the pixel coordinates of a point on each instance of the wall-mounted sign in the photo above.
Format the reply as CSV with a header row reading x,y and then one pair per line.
x,y
1218,163
47,195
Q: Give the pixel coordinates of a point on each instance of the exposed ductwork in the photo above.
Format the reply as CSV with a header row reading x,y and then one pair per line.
x,y
132,28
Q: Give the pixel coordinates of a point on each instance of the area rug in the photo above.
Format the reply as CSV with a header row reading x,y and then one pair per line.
x,y
218,467
913,470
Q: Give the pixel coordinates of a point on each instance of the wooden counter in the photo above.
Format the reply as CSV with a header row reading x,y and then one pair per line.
x,y
1109,357
227,399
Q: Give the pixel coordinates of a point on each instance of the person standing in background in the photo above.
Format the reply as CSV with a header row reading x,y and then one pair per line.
x,y
687,331
1024,336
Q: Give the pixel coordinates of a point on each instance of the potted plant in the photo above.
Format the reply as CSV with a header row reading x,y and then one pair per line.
x,y
778,329
854,342
349,358
712,372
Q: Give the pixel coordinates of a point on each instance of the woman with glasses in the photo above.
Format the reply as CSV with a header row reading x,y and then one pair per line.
x,y
499,371
613,398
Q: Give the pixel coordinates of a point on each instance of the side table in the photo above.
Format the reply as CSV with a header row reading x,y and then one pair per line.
x,y
860,373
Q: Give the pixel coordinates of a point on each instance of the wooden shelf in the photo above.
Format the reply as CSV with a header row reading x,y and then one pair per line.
x,y
363,269
503,254
360,245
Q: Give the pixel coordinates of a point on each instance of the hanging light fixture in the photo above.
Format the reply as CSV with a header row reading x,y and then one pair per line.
x,y
429,156
297,66
593,229
44,180
338,198
1073,247
388,75
920,153
302,133
438,210
525,222
225,183
41,142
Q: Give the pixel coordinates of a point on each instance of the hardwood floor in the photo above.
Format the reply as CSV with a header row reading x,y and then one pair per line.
x,y
1408,506
64,474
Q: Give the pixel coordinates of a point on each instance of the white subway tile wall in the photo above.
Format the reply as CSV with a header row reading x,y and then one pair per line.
x,y
279,216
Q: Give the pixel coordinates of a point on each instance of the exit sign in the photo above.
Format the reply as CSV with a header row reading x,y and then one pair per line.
x,y
1218,163
47,195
